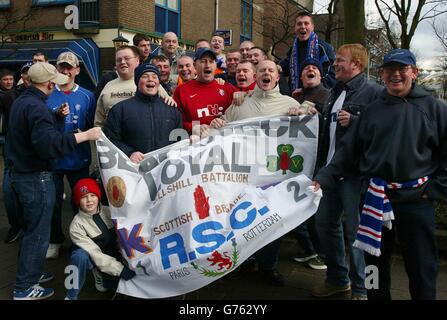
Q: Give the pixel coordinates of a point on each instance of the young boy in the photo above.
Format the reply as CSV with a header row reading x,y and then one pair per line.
x,y
94,238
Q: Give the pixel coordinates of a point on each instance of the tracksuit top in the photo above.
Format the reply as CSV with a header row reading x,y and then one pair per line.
x,y
82,106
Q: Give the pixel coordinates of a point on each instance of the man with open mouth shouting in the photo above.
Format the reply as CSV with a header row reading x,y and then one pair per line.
x,y
142,123
265,101
307,45
203,99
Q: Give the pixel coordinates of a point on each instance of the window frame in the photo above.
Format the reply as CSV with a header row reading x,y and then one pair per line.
x,y
246,6
166,16
47,3
5,5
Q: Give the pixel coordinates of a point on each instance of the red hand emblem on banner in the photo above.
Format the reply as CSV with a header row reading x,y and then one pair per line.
x,y
284,162
202,204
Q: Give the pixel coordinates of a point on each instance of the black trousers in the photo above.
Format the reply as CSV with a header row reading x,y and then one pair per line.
x,y
414,226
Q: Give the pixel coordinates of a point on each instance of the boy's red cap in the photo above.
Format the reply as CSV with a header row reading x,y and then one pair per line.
x,y
83,187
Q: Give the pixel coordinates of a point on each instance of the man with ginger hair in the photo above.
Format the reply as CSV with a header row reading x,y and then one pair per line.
x,y
351,94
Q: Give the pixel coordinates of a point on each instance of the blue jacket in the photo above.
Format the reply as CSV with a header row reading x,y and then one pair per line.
x,y
396,139
33,141
142,123
359,93
326,50
82,112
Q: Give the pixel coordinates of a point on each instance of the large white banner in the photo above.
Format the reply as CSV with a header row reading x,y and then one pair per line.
x,y
189,214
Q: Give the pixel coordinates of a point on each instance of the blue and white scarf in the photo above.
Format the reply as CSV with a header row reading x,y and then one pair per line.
x,y
312,51
377,212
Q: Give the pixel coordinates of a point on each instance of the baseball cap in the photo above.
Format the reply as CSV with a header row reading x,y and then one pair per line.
x,y
202,51
68,57
402,56
41,72
26,66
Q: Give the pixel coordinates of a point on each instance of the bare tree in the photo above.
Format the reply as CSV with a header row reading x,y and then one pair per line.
x,y
408,17
15,19
441,33
333,22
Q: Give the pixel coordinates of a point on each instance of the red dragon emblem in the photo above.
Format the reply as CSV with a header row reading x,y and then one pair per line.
x,y
221,260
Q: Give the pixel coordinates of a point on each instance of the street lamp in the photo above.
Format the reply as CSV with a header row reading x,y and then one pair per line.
x,y
120,40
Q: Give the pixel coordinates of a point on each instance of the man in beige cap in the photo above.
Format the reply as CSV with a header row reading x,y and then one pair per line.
x,y
75,165
32,144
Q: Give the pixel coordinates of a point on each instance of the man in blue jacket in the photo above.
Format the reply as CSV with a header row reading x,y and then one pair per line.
x,y
143,123
307,45
347,100
75,165
33,143
398,146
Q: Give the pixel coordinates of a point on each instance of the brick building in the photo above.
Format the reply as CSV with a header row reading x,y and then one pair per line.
x,y
26,25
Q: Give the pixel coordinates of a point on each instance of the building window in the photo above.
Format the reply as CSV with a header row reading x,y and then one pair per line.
x,y
246,20
5,4
51,2
167,16
88,12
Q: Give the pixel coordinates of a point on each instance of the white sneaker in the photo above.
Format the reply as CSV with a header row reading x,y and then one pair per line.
x,y
53,251
99,281
304,257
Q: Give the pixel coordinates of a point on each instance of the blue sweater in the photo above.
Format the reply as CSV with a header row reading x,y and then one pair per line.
x,y
33,141
82,112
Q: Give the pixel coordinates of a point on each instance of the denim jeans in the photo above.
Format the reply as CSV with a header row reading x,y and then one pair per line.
x,y
81,259
267,257
11,201
36,195
307,237
343,198
414,225
57,236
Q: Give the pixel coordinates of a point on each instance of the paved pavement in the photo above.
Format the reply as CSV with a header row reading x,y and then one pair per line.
x,y
300,279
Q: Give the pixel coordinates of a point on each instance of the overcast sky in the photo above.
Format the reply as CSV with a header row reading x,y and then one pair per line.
x,y
424,43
